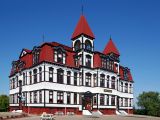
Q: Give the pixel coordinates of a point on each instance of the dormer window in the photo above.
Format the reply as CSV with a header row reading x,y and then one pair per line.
x,y
125,73
88,45
59,56
21,65
36,53
14,65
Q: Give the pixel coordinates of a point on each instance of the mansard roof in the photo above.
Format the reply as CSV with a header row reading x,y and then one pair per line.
x,y
111,48
82,28
121,72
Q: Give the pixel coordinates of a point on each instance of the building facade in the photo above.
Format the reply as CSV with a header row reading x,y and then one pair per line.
x,y
53,77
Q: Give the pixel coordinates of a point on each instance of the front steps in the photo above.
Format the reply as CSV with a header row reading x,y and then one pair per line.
x,y
121,112
93,113
86,112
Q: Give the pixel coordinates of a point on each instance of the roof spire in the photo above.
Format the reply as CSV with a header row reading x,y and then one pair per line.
x,y
82,28
82,9
110,37
111,48
43,37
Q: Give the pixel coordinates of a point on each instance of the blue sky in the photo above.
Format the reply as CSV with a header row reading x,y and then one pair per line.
x,y
133,24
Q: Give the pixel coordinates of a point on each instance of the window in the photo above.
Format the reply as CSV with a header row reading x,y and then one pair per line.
x,y
68,77
108,81
113,100
88,79
126,102
24,78
50,74
77,45
121,101
35,97
80,78
40,74
35,75
75,78
121,86
95,80
88,60
126,88
13,99
36,57
59,55
130,102
60,76
17,81
113,82
30,77
76,61
88,45
14,66
95,100
50,96
107,99
110,65
130,88
13,82
30,97
40,96
103,63
75,98
101,99
102,80
125,73
60,97
68,98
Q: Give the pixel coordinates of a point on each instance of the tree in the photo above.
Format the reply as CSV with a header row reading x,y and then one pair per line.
x,y
149,102
4,103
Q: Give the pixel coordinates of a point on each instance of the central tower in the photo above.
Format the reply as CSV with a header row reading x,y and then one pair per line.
x,y
83,43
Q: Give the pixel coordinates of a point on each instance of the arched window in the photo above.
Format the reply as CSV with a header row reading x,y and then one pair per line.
x,y
113,82
35,75
59,56
88,79
40,74
50,74
77,45
36,54
102,80
60,76
88,45
88,60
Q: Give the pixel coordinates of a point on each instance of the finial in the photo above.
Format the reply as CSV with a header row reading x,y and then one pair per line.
x,y
43,38
110,37
82,9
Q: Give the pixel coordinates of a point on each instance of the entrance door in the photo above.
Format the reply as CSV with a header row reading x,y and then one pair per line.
x,y
88,105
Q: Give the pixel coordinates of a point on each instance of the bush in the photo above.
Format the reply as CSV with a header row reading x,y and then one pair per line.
x,y
4,103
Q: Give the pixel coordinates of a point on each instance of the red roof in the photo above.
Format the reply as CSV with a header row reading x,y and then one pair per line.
x,y
121,71
28,51
82,28
111,48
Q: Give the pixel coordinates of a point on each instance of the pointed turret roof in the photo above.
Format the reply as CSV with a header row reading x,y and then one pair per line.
x,y
82,28
111,48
